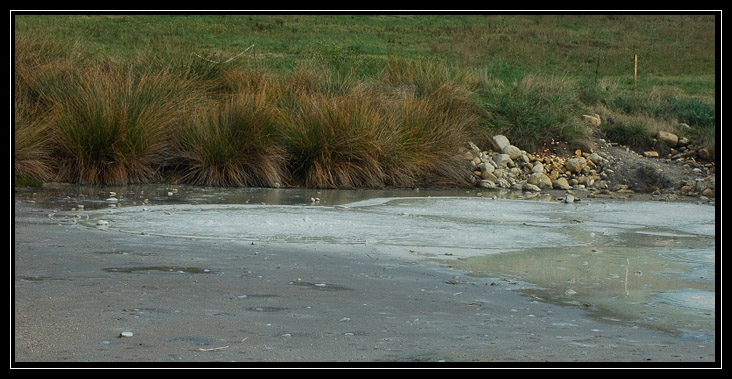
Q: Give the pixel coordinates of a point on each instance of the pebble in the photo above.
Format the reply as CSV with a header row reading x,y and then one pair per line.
x,y
125,334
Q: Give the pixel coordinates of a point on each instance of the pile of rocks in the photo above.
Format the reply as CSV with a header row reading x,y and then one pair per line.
x,y
506,166
680,148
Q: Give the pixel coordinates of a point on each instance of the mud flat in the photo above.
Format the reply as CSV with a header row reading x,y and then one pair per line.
x,y
123,292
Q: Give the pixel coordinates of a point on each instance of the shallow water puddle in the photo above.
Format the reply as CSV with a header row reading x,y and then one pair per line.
x,y
318,286
169,269
649,288
648,263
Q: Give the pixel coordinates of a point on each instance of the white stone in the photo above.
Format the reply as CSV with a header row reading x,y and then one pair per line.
x,y
486,167
502,160
500,142
512,151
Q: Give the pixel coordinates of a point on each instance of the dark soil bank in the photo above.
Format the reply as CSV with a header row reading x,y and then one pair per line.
x,y
87,295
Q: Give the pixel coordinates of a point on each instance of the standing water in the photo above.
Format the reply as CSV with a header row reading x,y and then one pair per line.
x,y
650,264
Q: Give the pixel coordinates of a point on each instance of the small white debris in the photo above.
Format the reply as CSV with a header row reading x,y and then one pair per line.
x,y
125,334
102,222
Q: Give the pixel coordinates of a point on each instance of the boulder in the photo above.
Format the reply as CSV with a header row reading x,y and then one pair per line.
x,y
575,164
487,184
597,159
704,153
473,147
489,176
512,151
503,183
668,138
502,160
538,168
525,157
486,167
540,179
561,183
500,142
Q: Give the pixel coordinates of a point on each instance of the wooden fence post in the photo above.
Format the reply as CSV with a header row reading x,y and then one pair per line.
x,y
635,89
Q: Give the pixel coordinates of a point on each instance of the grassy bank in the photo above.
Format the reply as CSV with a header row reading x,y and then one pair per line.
x,y
342,100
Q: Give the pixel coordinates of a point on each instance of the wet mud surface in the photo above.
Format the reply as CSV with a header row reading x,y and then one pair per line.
x,y
83,294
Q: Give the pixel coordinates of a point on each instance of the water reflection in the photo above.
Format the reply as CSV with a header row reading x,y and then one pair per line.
x,y
68,196
659,281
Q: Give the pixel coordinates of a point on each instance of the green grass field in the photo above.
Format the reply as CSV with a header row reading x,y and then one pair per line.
x,y
408,90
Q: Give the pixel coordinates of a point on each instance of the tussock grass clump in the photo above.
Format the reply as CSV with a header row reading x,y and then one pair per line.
x,y
334,142
112,124
371,138
429,133
234,143
31,153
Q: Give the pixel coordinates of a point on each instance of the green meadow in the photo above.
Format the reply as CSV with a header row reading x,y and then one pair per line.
x,y
341,100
